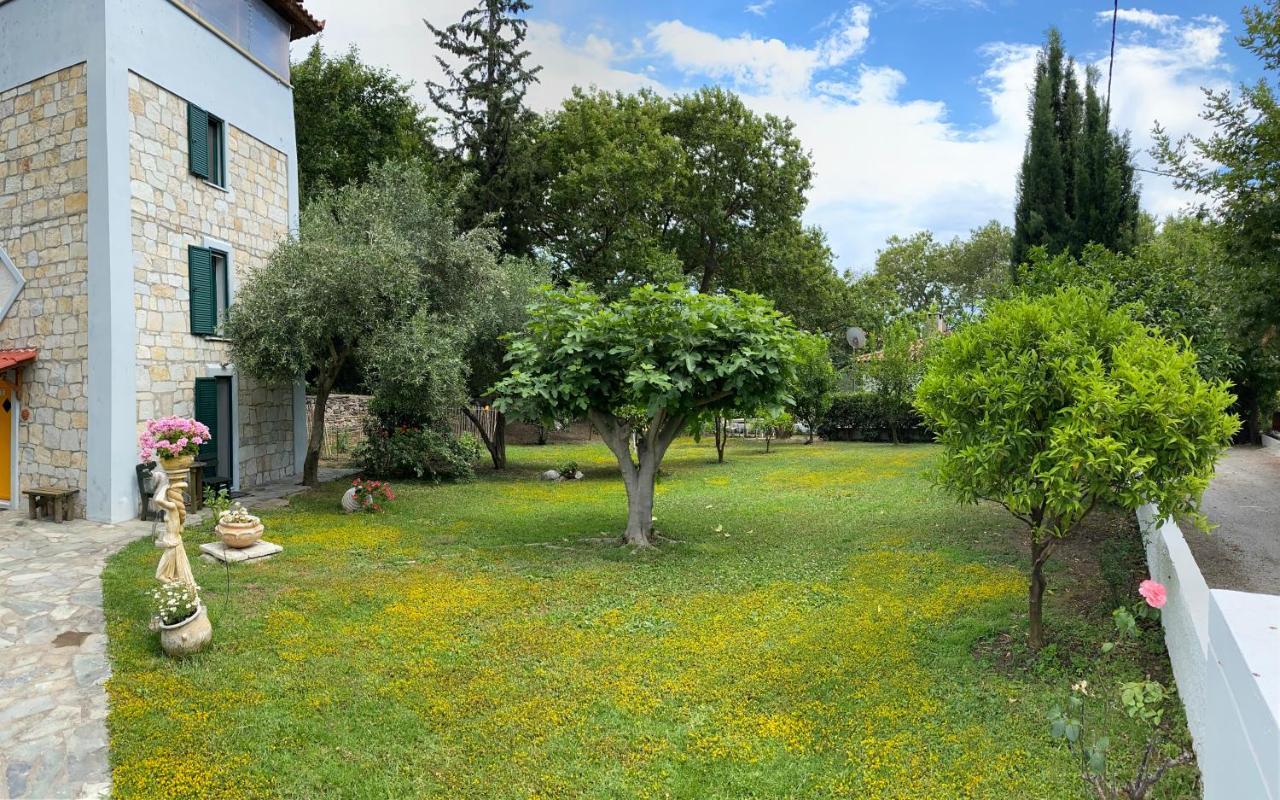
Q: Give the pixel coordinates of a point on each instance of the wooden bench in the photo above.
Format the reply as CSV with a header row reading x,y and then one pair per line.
x,y
50,501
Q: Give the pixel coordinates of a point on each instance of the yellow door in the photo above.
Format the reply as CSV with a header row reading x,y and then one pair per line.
x,y
6,440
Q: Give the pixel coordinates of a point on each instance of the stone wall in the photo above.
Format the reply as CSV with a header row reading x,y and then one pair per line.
x,y
171,209
43,213
344,416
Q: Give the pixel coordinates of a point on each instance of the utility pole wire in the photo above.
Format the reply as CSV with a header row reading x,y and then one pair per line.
x,y
1111,65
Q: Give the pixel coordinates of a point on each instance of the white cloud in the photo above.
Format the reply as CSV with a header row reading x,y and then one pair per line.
x,y
768,64
883,164
848,37
1160,80
759,9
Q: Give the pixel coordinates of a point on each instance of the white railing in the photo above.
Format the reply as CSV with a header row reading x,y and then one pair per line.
x,y
1225,650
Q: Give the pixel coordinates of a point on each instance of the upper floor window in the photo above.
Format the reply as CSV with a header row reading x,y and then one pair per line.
x,y
207,145
252,26
209,280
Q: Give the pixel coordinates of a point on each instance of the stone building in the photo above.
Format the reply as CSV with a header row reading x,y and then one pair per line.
x,y
147,161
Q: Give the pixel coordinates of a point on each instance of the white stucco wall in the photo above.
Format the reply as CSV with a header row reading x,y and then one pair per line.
x,y
1225,650
1185,615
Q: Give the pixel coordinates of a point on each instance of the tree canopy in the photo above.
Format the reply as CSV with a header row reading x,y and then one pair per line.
x,y
351,116
1237,170
952,278
482,100
1054,405
697,188
378,274
640,367
1076,184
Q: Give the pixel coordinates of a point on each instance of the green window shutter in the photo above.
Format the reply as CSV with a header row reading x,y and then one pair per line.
x,y
204,295
207,412
198,140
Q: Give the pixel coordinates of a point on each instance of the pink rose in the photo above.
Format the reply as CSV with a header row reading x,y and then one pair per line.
x,y
1153,593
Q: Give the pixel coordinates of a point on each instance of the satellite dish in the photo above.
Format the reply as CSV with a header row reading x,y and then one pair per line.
x,y
856,337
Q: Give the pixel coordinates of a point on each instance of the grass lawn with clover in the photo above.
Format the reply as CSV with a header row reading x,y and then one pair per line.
x,y
820,623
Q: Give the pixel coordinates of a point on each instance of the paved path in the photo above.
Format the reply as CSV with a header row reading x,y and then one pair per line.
x,y
1243,552
53,708
53,736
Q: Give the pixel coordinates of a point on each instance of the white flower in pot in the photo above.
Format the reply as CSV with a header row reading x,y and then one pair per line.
x,y
238,528
180,618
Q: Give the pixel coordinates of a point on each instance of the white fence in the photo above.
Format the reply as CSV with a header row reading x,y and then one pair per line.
x,y
1225,649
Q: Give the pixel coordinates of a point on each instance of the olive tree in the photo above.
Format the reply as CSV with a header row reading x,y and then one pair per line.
x,y
321,297
1054,405
640,367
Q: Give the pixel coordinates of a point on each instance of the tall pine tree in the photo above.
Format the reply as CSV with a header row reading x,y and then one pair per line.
x,y
482,99
1077,182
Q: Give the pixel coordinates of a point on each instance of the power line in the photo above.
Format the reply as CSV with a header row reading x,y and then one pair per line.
x,y
1111,65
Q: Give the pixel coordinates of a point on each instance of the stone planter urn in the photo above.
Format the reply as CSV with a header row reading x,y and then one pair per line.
x,y
239,535
349,502
188,636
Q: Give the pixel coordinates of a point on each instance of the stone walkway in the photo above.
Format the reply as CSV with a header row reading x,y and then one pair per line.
x,y
53,709
53,736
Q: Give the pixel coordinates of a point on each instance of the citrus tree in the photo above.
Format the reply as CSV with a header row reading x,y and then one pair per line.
x,y
815,380
1054,405
641,367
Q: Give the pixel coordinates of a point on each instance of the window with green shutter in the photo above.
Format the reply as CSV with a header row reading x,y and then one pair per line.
x,y
207,412
198,140
206,145
204,291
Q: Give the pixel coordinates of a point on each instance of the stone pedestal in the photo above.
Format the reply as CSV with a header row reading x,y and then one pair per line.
x,y
217,551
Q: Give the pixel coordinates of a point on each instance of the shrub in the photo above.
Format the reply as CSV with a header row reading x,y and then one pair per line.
x,y
1052,406
866,416
412,452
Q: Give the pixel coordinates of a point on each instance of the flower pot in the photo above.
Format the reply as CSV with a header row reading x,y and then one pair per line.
x,y
240,534
349,502
189,636
177,464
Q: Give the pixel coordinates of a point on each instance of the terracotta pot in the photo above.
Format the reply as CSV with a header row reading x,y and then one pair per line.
x,y
240,534
189,636
179,464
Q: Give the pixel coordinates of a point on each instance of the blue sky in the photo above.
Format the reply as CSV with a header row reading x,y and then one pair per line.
x,y
914,110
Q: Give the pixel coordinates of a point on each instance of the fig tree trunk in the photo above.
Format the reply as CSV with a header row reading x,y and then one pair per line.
x,y
722,437
639,466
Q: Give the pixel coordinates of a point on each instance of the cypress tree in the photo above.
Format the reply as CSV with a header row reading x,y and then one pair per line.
x,y
1077,180
483,102
1040,216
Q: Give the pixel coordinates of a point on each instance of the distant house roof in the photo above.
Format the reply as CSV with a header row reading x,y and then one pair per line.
x,y
301,23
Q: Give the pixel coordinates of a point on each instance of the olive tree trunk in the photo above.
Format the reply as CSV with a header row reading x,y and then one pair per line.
x,y
639,454
496,442
325,381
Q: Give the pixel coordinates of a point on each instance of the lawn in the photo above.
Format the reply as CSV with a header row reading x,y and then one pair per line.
x,y
819,623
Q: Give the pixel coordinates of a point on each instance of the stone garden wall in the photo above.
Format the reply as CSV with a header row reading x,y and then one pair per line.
x,y
344,417
171,209
43,213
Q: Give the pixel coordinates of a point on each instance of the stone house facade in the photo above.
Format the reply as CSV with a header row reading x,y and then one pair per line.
x,y
147,163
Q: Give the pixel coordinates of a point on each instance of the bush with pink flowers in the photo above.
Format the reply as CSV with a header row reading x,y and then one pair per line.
x,y
372,495
171,437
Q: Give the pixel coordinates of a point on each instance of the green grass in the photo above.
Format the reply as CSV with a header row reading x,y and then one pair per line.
x,y
809,630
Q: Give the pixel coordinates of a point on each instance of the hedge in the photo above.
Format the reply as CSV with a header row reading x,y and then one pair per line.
x,y
866,417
